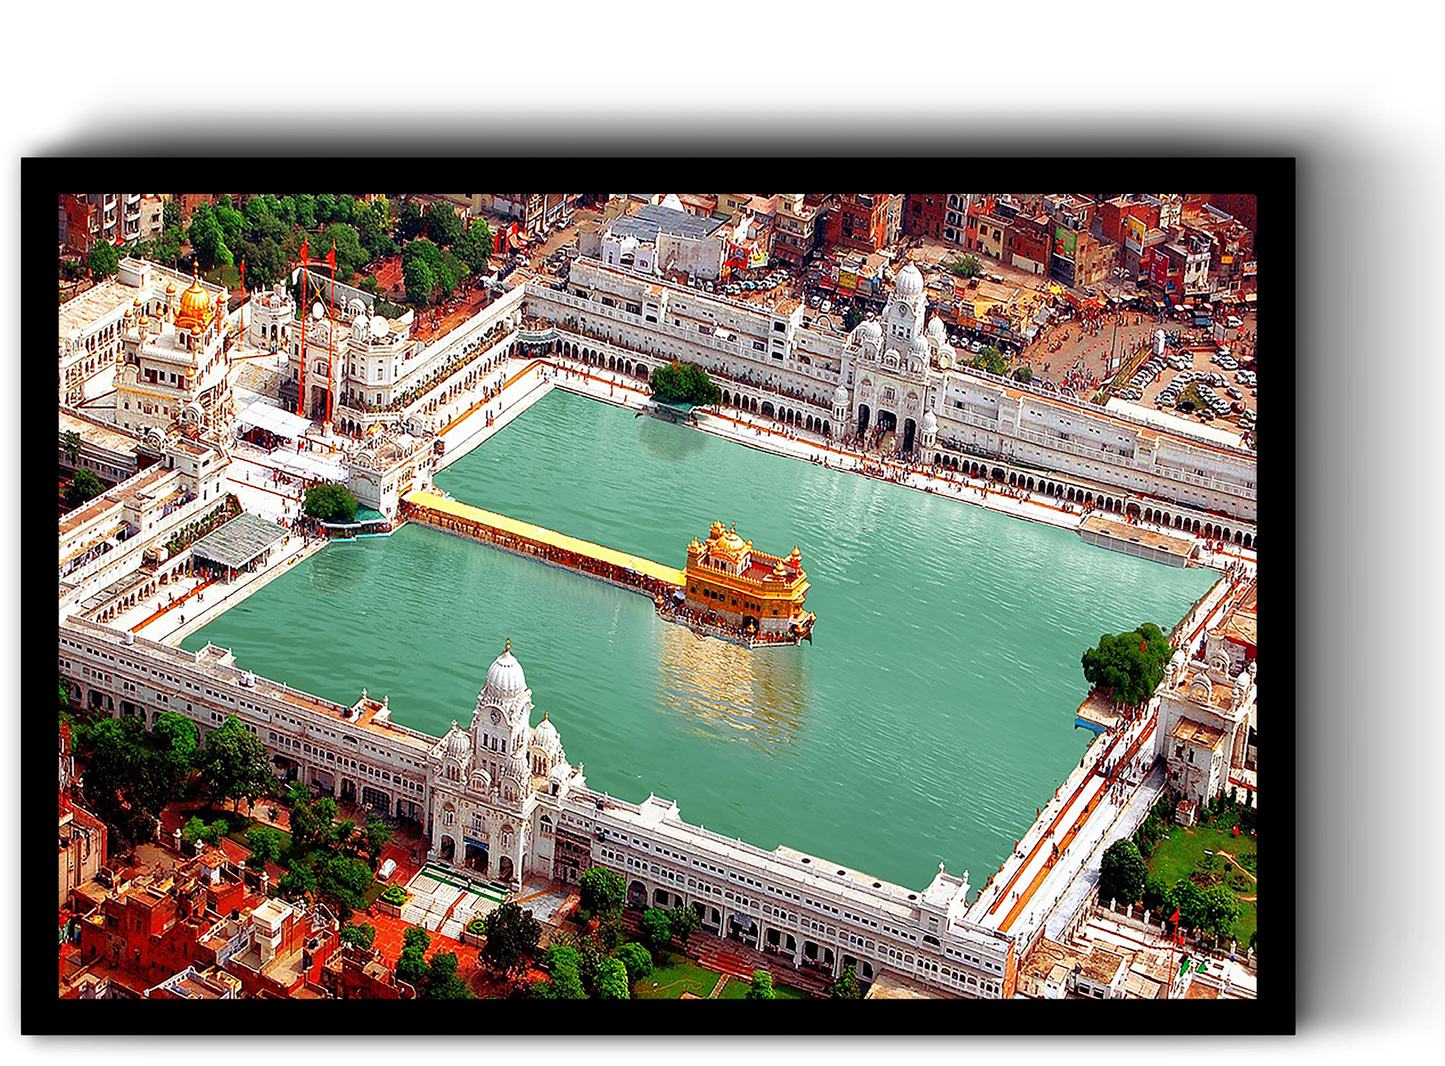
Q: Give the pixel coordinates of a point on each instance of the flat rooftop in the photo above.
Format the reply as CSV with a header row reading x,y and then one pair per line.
x,y
100,434
1241,624
1191,732
240,541
647,222
1135,535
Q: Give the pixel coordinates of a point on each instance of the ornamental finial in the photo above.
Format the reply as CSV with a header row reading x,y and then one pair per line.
x,y
508,648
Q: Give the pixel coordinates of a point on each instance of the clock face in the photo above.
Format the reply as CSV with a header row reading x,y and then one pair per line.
x,y
496,717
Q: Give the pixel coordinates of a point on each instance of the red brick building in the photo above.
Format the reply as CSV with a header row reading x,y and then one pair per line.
x,y
362,973
924,213
1028,243
1113,217
1242,205
858,221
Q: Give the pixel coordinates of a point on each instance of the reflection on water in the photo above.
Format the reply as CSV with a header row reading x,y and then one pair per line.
x,y
757,696
662,439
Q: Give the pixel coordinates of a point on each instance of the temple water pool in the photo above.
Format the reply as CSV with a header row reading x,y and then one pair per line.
x,y
929,719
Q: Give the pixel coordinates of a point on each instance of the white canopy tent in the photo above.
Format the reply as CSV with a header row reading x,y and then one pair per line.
x,y
261,415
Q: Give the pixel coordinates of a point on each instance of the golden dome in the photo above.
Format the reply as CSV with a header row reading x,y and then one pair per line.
x,y
194,310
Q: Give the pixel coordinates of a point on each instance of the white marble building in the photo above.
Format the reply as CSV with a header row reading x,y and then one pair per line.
x,y
783,362
498,787
500,798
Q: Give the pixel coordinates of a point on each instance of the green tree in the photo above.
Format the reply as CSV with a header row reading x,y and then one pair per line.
x,y
684,383
442,224
992,360
103,261
1221,908
637,959
123,785
234,764
683,921
373,227
1190,900
762,986
1155,891
83,487
300,880
420,282
343,833
846,987
363,936
1128,666
266,844
375,837
1024,373
565,966
174,743
601,891
411,965
656,929
966,267
612,980
70,443
1122,873
171,214
443,981
411,223
349,254
231,221
475,246
342,881
207,238
330,501
512,935
443,274
325,207
265,262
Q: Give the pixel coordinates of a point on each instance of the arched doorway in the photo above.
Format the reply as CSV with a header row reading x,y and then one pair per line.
x,y
476,856
504,868
767,410
910,427
448,849
636,894
863,414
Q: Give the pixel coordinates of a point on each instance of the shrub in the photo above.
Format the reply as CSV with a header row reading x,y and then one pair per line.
x,y
396,896
637,959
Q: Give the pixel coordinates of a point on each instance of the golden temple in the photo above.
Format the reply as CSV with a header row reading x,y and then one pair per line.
x,y
728,578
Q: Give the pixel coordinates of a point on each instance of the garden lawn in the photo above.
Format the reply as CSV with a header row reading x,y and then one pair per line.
x,y
736,988
1181,853
678,976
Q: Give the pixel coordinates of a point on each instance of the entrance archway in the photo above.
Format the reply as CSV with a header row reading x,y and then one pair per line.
x,y
448,849
476,856
504,868
636,894
863,414
910,427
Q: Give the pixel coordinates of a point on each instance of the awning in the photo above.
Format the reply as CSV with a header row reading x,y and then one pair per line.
x,y
305,465
262,415
239,542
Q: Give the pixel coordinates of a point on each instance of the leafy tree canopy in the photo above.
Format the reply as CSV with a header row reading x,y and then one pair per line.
x,y
846,987
684,383
363,936
265,843
83,487
1128,666
234,764
762,986
1122,873
330,502
442,224
512,935
612,980
656,929
103,260
475,246
637,959
601,890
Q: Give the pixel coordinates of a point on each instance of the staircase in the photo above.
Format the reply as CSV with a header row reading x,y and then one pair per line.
x,y
738,960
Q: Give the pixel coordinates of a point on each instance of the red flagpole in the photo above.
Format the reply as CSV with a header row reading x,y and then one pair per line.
x,y
301,396
331,336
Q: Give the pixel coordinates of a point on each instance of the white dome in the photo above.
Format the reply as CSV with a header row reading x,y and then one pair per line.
x,y
505,678
560,772
909,282
458,744
516,768
840,396
936,330
545,736
919,347
870,331
930,421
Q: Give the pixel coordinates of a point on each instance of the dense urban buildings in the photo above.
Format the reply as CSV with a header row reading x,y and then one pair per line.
x,y
965,345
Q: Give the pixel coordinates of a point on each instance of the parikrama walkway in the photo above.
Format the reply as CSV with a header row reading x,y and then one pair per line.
x,y
546,545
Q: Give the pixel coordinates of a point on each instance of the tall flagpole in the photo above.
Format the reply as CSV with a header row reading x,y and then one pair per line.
x,y
331,342
301,395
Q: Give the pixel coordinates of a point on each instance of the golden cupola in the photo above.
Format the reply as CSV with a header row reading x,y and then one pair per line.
x,y
194,311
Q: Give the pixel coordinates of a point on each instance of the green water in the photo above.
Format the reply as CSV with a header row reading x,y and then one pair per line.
x,y
929,719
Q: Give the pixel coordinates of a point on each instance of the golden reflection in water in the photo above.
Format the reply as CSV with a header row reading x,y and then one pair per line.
x,y
756,695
